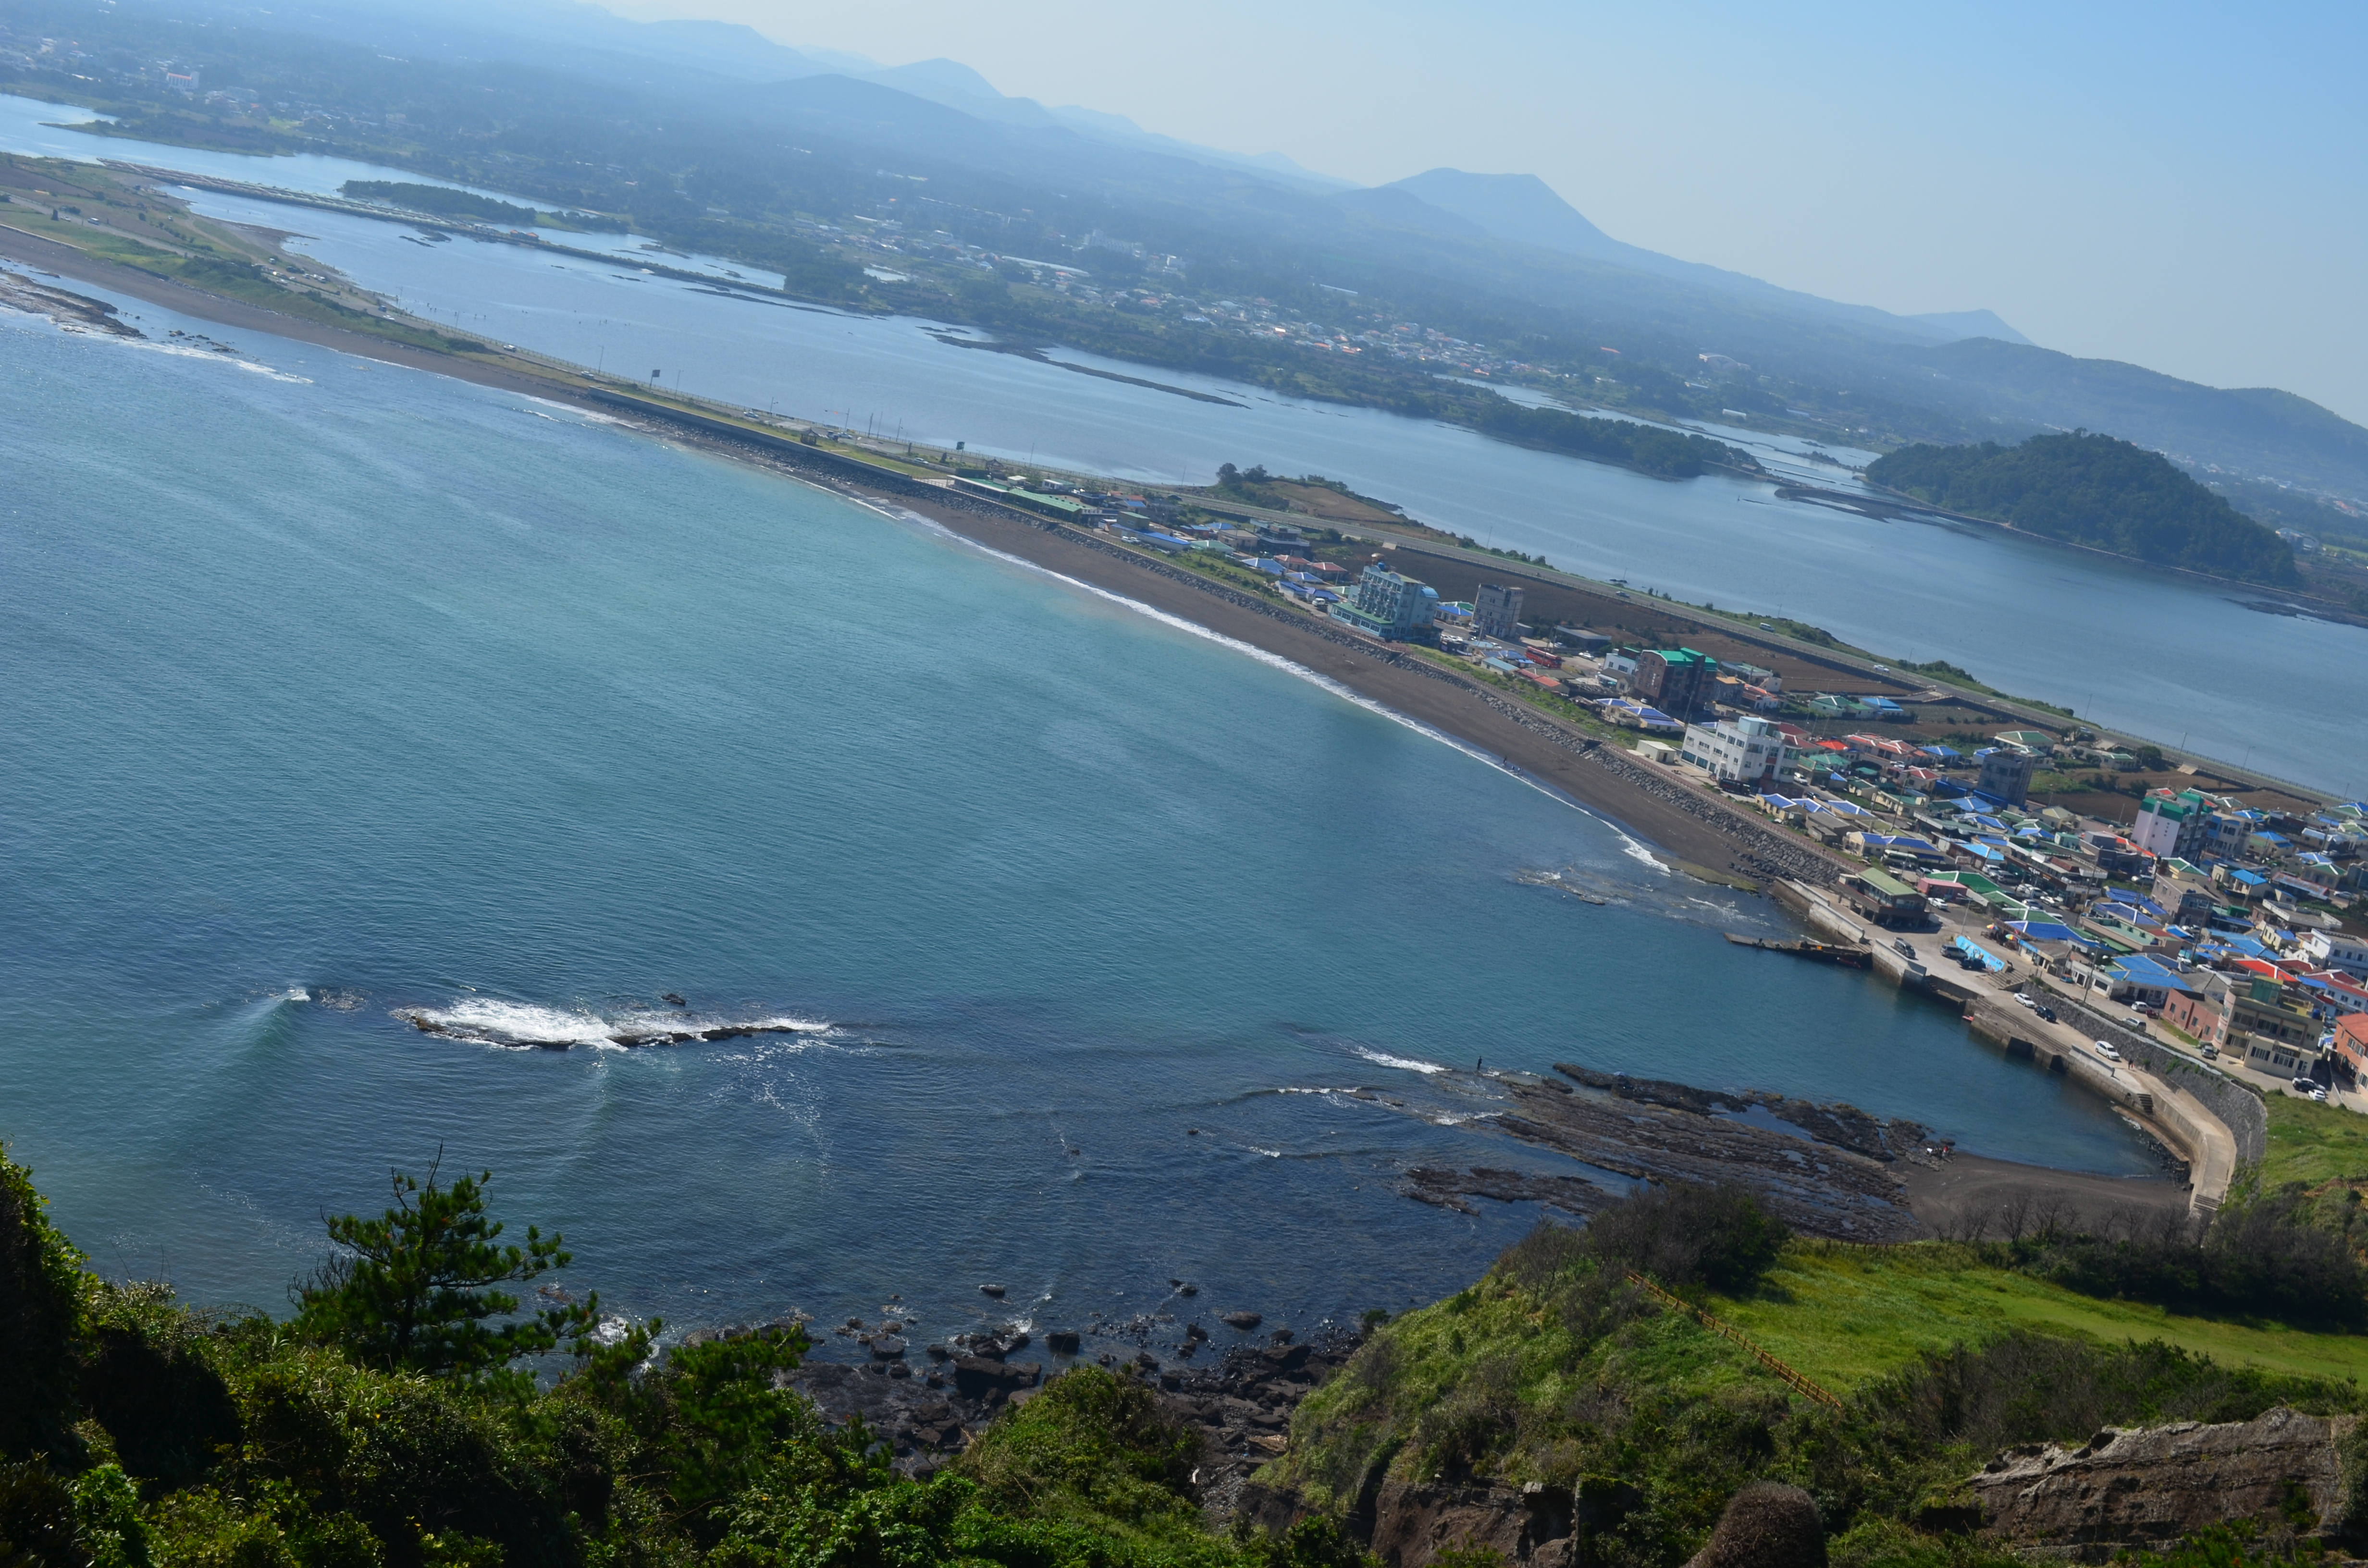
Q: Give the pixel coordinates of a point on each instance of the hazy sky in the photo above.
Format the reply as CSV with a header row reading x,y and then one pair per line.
x,y
2181,186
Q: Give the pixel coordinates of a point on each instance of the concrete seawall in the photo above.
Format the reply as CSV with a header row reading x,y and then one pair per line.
x,y
2205,1119
2173,1111
2238,1106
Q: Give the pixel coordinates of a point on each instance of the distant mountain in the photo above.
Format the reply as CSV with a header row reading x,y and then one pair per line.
x,y
561,35
1520,207
2252,431
732,135
728,49
955,85
1403,209
1524,210
1962,324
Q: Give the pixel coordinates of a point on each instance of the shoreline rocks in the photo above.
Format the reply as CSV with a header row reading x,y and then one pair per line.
x,y
1240,1403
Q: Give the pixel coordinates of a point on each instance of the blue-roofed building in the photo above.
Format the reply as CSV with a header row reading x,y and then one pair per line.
x,y
2243,884
1970,950
2141,979
1637,715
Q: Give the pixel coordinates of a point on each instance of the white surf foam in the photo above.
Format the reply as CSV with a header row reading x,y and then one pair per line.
x,y
1403,1065
1636,851
487,1020
179,352
586,414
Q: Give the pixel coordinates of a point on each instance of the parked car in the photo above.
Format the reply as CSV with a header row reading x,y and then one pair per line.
x,y
2309,1089
2105,1048
2211,1053
2043,1011
2025,999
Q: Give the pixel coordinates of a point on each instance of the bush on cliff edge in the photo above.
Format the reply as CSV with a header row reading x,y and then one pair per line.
x,y
147,1436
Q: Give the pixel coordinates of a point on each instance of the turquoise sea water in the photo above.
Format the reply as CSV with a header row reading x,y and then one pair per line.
x,y
336,691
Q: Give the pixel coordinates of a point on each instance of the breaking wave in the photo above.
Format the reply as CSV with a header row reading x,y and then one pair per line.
x,y
1403,1065
485,1021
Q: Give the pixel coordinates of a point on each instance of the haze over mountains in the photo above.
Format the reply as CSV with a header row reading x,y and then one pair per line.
x,y
753,142
1517,208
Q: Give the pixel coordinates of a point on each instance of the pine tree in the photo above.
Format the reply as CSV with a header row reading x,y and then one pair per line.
x,y
416,1290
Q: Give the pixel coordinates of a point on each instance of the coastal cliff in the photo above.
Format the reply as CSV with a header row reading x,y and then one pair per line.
x,y
1684,1380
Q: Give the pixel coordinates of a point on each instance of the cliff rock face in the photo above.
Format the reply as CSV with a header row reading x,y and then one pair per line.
x,y
2146,1489
1413,1523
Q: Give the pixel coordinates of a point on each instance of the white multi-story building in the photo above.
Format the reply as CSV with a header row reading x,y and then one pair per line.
x,y
2334,950
1737,751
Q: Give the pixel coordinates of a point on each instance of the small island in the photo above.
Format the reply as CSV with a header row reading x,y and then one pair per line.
x,y
2096,490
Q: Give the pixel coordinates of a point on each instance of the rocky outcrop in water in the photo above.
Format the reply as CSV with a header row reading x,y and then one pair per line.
x,y
1839,1176
2144,1489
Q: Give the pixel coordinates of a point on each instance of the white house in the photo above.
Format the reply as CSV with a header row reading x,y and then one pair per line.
x,y
2333,950
1736,751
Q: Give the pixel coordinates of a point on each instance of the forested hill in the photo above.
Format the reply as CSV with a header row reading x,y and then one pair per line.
x,y
2097,491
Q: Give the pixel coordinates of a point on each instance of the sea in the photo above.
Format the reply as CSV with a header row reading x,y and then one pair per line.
x,y
1049,942
2176,662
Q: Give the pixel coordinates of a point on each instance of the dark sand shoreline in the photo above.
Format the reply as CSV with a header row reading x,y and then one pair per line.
x,y
1975,1198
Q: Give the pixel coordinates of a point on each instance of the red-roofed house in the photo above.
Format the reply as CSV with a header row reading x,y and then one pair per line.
x,y
2351,1043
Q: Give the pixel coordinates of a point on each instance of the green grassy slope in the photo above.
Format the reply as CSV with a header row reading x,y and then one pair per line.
x,y
1848,1315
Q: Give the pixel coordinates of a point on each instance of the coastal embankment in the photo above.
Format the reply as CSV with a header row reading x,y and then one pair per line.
x,y
2208,1124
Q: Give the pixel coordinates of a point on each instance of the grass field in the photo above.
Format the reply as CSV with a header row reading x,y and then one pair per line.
x,y
2314,1143
1844,1315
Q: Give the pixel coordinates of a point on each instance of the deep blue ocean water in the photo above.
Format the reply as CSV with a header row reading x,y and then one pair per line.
x,y
335,692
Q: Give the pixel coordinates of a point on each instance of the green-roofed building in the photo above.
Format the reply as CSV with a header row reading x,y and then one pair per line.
x,y
1885,900
1675,680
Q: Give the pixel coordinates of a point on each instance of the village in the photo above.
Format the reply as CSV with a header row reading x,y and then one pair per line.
x,y
2214,918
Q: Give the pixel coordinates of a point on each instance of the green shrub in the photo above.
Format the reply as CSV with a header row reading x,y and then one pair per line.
x,y
36,1518
107,1518
1687,1234
40,1289
147,1376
